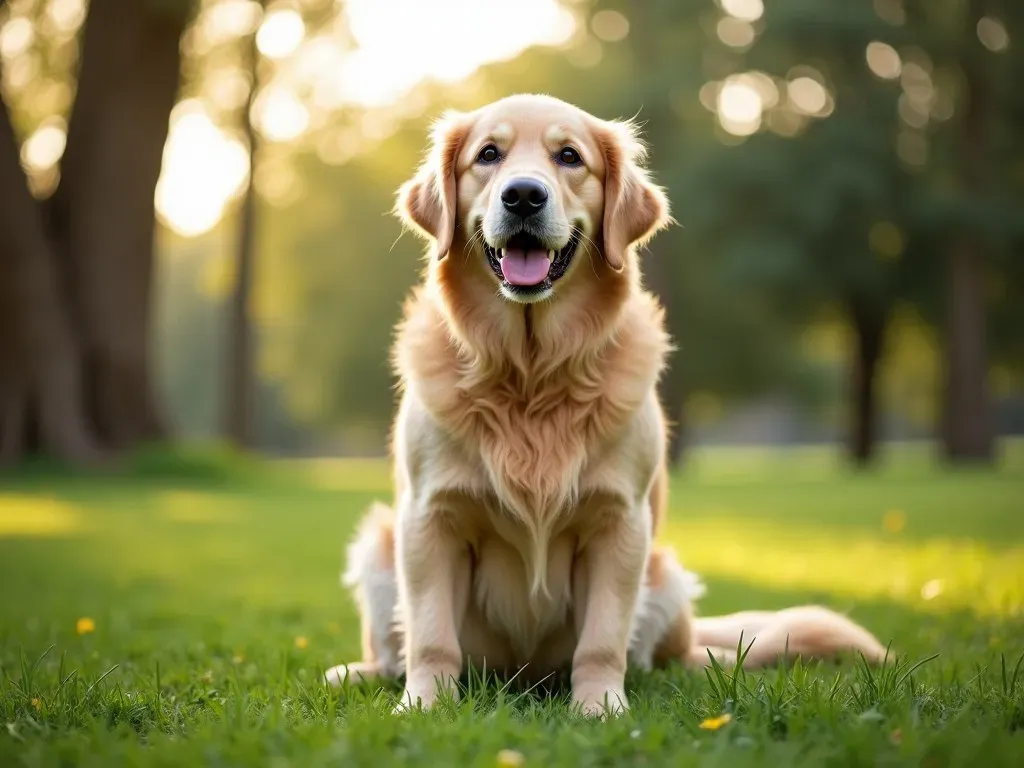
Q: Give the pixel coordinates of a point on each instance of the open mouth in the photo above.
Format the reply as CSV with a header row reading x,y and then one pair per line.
x,y
526,266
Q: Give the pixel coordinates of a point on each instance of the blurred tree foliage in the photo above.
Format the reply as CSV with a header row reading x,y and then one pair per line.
x,y
847,177
835,207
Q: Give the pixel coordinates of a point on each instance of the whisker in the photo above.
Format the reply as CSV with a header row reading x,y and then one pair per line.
x,y
478,235
587,242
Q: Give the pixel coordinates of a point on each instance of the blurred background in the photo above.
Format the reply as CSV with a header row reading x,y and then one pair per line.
x,y
196,243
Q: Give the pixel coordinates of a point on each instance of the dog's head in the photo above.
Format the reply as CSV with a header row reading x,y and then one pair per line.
x,y
524,186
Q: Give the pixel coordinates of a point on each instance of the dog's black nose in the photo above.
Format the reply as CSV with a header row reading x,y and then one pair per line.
x,y
524,196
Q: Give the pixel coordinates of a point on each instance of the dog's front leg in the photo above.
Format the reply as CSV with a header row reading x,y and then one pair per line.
x,y
606,584
434,580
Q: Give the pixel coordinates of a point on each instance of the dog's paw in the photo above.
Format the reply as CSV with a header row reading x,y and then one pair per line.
x,y
601,703
425,693
412,700
356,672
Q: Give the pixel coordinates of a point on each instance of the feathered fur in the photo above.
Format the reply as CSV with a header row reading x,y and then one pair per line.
x,y
529,445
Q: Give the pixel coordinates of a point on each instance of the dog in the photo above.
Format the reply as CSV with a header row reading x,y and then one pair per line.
x,y
529,444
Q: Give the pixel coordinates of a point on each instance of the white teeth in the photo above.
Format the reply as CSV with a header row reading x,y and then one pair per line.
x,y
501,253
552,254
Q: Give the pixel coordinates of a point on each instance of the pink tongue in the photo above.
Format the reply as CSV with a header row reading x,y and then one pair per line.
x,y
524,267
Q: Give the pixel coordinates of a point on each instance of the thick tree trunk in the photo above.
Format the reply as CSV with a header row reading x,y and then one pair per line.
x,y
238,394
673,398
660,274
76,270
869,326
40,375
967,421
102,212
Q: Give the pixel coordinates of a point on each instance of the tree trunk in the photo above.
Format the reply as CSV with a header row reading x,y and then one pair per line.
x,y
238,394
102,213
869,326
75,297
660,274
40,373
673,398
967,421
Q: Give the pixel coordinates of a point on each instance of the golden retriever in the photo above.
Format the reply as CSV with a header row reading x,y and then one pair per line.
x,y
529,445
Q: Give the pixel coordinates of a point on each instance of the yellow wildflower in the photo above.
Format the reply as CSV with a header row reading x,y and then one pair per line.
x,y
510,758
894,521
37,704
714,723
85,625
301,642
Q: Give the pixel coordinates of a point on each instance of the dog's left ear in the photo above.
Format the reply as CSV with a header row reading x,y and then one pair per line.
x,y
427,202
634,208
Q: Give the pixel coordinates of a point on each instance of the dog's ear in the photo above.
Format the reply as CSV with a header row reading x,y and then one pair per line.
x,y
427,202
634,208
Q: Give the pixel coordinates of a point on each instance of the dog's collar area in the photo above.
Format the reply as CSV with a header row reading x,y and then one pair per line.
x,y
559,264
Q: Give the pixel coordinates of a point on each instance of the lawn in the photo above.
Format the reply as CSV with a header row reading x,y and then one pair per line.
x,y
181,613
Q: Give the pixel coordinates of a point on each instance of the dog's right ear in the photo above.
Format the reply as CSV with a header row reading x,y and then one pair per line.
x,y
427,202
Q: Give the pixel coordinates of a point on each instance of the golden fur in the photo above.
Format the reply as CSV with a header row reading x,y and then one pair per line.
x,y
529,445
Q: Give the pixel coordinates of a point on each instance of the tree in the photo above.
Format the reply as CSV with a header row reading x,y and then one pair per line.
x,y
978,41
883,108
238,393
75,377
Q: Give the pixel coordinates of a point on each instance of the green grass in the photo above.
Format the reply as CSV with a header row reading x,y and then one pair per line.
x,y
213,588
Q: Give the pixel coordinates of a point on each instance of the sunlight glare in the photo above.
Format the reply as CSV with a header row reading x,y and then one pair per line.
x,y
918,86
16,36
280,34
202,170
745,10
740,106
278,115
66,15
734,32
229,20
611,26
883,60
227,88
992,34
393,48
808,95
316,59
44,148
397,41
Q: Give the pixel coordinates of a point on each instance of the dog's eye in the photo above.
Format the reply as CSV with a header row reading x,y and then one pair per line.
x,y
489,154
569,156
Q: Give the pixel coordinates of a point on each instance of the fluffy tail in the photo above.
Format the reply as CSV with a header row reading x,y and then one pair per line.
x,y
809,631
667,622
370,574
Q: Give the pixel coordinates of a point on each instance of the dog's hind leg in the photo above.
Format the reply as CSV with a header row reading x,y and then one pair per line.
x,y
370,574
662,628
